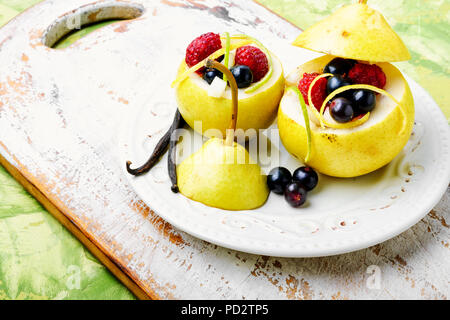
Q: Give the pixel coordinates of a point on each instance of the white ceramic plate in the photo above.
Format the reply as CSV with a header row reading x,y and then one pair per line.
x,y
341,215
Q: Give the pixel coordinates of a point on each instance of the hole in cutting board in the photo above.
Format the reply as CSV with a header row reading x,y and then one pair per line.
x,y
79,22
75,35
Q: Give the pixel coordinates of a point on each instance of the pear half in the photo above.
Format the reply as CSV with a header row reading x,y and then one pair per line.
x,y
355,31
223,176
257,110
355,151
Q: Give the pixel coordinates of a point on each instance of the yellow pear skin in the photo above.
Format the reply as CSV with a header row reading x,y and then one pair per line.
x,y
357,32
349,152
256,111
223,176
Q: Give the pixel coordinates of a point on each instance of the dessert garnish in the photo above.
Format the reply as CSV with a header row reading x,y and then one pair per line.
x,y
294,187
172,157
160,149
306,117
199,67
203,94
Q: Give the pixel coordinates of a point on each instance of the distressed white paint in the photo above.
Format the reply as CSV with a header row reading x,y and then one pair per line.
x,y
59,114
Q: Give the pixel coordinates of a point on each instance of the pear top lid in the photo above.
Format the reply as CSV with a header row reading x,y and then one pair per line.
x,y
355,31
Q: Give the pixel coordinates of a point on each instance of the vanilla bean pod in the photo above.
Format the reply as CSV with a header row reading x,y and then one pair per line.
x,y
171,159
160,149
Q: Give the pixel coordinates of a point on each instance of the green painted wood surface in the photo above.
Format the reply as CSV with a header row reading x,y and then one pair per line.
x,y
39,259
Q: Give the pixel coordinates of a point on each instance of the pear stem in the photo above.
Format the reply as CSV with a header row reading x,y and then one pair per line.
x,y
362,1
234,96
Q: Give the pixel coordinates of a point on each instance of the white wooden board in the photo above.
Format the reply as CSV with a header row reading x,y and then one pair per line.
x,y
59,114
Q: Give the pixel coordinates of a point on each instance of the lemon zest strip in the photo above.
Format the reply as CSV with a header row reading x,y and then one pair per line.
x,y
227,53
202,63
366,117
307,121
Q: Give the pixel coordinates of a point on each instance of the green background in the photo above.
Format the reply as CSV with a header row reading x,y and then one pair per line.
x,y
39,259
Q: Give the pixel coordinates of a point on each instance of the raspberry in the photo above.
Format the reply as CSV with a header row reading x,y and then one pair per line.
x,y
319,91
253,58
202,47
370,74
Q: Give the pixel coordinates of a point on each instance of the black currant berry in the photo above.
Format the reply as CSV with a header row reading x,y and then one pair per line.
x,y
295,194
364,101
243,76
341,109
307,177
210,74
339,66
278,178
337,82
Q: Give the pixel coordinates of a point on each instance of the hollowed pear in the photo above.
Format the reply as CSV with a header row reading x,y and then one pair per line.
x,y
355,151
257,110
355,31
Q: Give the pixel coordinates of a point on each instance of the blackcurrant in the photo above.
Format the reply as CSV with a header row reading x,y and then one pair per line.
x,y
364,101
278,178
220,59
210,74
341,110
243,76
339,66
307,177
337,82
295,194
